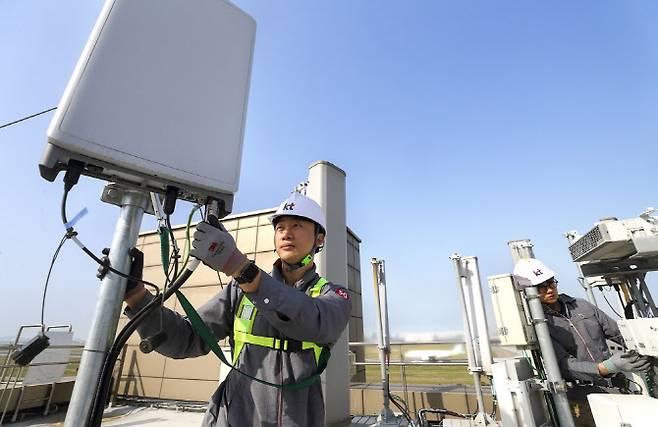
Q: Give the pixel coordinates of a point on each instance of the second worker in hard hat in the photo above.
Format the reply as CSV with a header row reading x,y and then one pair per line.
x,y
579,331
280,325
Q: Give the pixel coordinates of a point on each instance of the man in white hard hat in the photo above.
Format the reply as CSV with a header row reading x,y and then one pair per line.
x,y
578,331
280,325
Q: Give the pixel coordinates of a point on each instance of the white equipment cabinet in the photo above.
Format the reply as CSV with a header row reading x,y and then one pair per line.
x,y
520,399
623,410
514,328
159,97
640,335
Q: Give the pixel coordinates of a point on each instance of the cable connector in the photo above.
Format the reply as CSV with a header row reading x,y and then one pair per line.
x,y
104,267
171,194
73,172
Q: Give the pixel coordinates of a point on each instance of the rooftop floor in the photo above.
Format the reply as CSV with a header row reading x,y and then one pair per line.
x,y
125,416
150,412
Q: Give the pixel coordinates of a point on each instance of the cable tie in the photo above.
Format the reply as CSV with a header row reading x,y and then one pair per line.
x,y
76,218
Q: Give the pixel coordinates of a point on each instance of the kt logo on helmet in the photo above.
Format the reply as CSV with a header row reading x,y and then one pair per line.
x,y
538,272
288,206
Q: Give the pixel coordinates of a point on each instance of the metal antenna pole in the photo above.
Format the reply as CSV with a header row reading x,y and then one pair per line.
x,y
108,308
644,290
571,237
472,271
386,416
557,387
473,351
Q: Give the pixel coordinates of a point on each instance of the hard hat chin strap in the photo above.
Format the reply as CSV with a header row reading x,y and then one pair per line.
x,y
304,262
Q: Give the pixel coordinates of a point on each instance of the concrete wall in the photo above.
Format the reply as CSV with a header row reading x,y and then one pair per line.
x,y
34,396
153,375
356,319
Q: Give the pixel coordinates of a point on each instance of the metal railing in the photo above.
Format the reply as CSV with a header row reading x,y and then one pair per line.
x,y
11,374
398,359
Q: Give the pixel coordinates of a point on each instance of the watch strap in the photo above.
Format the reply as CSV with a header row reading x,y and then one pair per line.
x,y
248,273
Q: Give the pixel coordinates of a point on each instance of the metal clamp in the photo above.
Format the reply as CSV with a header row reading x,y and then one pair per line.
x,y
557,386
542,384
114,194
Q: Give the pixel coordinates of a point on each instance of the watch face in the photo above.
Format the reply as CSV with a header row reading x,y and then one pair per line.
x,y
248,274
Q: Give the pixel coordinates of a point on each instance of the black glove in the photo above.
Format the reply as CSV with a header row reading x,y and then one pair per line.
x,y
136,269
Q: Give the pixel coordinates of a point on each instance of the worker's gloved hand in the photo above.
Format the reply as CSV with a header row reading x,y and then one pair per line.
x,y
215,247
136,270
654,362
627,362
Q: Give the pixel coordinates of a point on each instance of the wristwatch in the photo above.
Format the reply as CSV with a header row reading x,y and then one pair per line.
x,y
248,274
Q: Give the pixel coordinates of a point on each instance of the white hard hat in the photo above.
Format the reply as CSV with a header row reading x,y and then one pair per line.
x,y
302,206
531,272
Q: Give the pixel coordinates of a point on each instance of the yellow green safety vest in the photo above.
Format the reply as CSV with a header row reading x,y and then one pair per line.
x,y
244,322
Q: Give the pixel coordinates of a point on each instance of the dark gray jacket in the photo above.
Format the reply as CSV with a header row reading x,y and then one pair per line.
x,y
283,311
579,338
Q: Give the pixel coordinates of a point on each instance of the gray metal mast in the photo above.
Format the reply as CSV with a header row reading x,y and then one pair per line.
x,y
523,249
386,416
476,335
108,308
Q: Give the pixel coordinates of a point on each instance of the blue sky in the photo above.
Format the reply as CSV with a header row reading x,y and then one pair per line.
x,y
461,125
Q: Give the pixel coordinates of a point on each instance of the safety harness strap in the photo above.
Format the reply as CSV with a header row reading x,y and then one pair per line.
x,y
210,340
244,322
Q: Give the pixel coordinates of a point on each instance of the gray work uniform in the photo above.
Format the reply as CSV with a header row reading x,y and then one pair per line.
x,y
579,338
284,311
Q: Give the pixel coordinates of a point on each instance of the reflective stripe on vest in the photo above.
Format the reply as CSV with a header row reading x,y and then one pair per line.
x,y
244,322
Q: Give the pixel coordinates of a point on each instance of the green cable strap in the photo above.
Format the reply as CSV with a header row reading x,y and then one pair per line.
x,y
208,337
650,381
164,248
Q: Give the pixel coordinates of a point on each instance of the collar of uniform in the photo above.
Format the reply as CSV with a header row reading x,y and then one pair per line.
x,y
565,300
309,278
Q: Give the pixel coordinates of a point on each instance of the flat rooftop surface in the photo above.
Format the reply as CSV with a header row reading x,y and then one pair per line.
x,y
131,416
126,416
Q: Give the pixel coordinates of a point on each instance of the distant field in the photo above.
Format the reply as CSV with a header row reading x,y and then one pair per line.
x,y
399,350
425,375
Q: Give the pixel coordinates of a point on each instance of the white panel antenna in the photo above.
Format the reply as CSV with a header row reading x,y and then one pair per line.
x,y
158,98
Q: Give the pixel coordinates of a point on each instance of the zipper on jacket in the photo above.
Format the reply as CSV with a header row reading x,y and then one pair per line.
x,y
582,339
280,391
